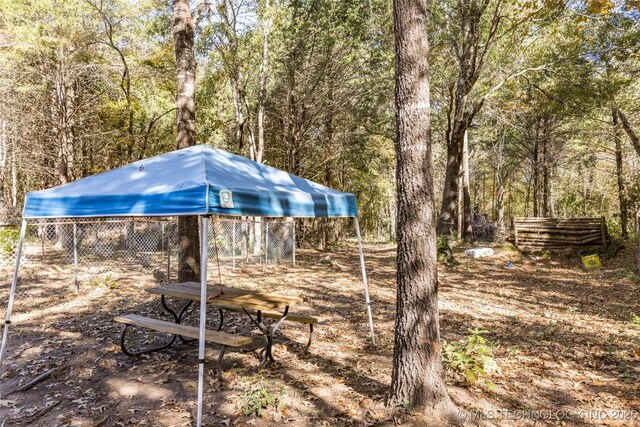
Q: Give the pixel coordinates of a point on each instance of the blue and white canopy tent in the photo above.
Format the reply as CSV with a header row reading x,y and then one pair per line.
x,y
196,181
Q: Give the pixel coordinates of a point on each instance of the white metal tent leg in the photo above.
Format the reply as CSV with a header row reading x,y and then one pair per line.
x,y
12,292
204,244
364,280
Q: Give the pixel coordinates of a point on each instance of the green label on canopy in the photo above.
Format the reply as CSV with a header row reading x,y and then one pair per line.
x,y
226,199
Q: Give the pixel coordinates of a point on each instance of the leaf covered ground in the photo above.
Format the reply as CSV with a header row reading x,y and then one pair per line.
x,y
562,339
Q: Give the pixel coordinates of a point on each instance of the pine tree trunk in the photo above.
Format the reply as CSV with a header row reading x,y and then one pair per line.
x,y
184,36
468,220
499,201
536,173
417,377
450,190
14,175
638,250
460,221
619,174
262,85
4,154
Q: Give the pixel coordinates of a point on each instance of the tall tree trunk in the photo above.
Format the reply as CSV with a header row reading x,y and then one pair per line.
x,y
450,189
417,378
14,175
4,154
63,107
545,175
262,84
635,141
471,61
638,249
499,201
237,109
585,189
527,199
619,173
536,172
468,220
325,225
460,211
184,36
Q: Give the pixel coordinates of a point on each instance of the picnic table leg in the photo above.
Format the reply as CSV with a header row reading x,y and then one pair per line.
x,y
220,357
177,317
149,350
268,333
221,319
306,348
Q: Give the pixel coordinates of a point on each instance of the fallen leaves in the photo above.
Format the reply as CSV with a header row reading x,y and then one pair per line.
x,y
552,326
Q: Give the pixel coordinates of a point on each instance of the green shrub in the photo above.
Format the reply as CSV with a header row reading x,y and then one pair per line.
x,y
108,281
444,250
8,240
261,397
471,357
625,273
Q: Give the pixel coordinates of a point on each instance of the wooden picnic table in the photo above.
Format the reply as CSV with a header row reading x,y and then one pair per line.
x,y
252,303
231,297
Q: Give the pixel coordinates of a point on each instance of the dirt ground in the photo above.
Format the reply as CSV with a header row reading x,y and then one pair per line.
x,y
563,339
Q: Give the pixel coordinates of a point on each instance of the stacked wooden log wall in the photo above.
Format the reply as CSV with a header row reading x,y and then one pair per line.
x,y
559,233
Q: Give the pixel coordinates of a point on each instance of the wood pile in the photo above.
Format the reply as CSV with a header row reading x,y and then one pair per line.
x,y
559,233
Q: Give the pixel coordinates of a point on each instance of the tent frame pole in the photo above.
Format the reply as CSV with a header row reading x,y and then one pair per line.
x,y
204,244
12,292
364,280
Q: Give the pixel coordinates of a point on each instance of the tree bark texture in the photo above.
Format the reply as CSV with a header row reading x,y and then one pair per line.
x,y
450,190
535,168
635,140
471,54
468,220
417,378
619,174
638,248
262,85
184,37
4,153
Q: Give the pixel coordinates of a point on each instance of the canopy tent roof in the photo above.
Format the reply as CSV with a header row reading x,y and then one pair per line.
x,y
197,180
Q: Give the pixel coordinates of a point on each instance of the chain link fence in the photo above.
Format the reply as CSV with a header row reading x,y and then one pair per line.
x,y
87,246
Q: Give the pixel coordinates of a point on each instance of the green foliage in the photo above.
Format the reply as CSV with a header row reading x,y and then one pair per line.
x,y
609,345
442,243
635,319
107,281
607,252
407,407
445,251
471,357
260,397
8,240
328,95
626,273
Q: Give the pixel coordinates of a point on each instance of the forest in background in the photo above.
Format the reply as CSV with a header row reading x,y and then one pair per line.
x,y
540,100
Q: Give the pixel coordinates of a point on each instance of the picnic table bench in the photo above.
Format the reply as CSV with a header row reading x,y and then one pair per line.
x,y
223,339
255,304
